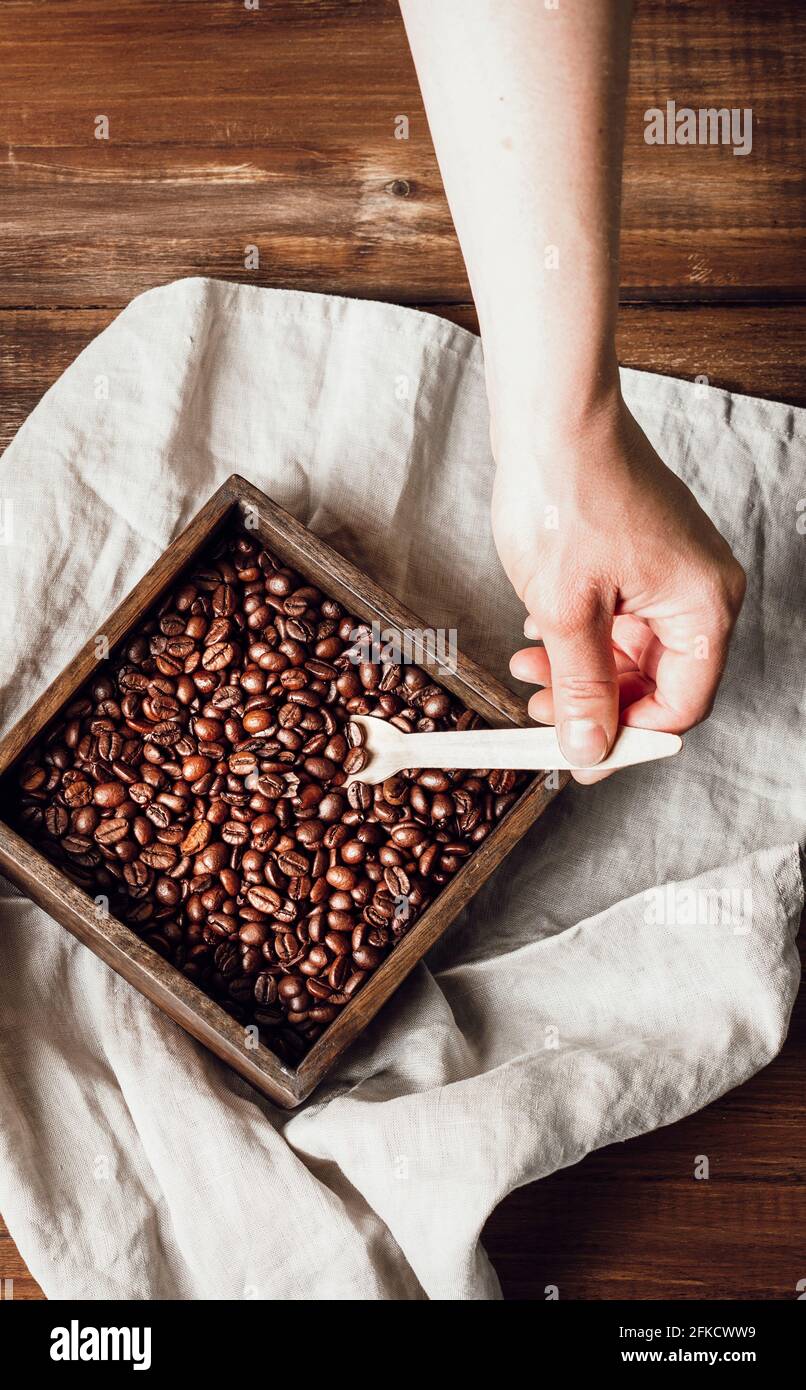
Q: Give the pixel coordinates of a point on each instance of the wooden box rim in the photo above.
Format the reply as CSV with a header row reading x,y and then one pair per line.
x,y
116,943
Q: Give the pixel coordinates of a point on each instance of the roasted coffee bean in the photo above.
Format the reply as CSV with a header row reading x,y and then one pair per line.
x,y
341,876
397,880
221,924
254,933
256,721
195,767
78,793
57,820
292,863
501,781
355,761
208,730
353,732
322,769
110,832
234,832
109,794
359,795
367,957
212,859
198,837
331,806
161,857
199,783
265,899
266,990
218,656
241,764
338,943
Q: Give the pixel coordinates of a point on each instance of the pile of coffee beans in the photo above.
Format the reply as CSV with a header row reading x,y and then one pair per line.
x,y
198,784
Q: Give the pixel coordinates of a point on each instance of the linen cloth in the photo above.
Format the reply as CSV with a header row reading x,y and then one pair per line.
x,y
569,1005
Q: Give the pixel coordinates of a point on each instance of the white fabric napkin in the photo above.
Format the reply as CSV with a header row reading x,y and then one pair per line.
x,y
631,961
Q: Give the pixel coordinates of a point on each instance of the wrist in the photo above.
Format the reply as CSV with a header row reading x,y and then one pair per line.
x,y
532,425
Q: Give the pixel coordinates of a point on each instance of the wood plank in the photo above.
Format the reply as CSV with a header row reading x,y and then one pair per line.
x,y
631,1221
757,350
277,128
22,1284
753,349
214,148
647,1240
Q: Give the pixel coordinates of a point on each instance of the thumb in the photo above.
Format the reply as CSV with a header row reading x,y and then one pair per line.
x,y
584,686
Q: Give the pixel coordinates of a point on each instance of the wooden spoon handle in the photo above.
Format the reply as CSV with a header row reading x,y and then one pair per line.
x,y
529,749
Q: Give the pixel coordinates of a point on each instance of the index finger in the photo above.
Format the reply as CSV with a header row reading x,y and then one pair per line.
x,y
687,663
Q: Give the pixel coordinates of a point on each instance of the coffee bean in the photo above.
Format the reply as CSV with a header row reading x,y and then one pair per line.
x,y
78,793
353,732
198,781
109,794
256,721
138,876
221,924
265,990
360,796
367,958
501,781
355,761
198,837
264,899
241,764
195,767
160,857
110,832
320,768
57,820
218,656
396,880
293,863
212,859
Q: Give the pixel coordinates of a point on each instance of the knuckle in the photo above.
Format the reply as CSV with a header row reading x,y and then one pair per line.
x,y
574,611
723,595
561,623
581,687
582,690
736,586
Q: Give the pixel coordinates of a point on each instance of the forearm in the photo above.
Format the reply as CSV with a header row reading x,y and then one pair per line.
x,y
525,106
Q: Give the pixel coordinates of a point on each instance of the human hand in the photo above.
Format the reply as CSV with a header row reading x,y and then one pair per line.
x,y
625,579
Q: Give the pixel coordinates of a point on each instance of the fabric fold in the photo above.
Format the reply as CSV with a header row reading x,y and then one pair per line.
x,y
631,961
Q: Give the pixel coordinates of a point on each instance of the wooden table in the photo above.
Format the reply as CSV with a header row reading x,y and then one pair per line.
x,y
275,128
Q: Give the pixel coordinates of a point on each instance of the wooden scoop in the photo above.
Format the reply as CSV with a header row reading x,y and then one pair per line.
x,y
389,750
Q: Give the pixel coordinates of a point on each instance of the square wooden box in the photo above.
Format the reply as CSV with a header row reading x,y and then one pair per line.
x,y
117,944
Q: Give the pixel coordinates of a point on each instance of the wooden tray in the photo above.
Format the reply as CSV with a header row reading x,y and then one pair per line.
x,y
118,945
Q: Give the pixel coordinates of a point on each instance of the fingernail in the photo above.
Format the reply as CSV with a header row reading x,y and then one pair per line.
x,y
583,741
531,629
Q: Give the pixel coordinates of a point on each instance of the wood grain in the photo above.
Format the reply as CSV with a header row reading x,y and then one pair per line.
x,y
750,348
633,1222
116,943
276,128
211,149
16,1282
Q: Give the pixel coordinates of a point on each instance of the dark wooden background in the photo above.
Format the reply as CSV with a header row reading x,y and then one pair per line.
x,y
275,127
